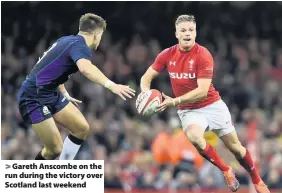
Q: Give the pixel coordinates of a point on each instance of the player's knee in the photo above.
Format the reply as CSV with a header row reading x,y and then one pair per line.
x,y
237,149
196,138
199,143
83,130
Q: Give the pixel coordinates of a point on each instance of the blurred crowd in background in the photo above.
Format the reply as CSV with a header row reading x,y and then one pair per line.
x,y
245,39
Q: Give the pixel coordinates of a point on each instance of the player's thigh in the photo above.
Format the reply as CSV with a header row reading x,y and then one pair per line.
x,y
49,135
219,118
35,110
194,124
72,119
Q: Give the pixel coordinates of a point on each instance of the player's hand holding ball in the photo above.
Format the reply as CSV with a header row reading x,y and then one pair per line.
x,y
148,101
168,102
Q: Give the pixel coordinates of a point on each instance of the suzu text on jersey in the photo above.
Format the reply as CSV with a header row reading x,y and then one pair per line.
x,y
184,75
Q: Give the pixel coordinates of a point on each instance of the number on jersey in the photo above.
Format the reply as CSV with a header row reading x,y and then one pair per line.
x,y
46,52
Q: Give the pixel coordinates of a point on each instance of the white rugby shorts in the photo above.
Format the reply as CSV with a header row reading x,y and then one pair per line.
x,y
215,117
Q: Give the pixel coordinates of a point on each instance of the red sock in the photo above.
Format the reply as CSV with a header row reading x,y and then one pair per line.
x,y
249,165
210,154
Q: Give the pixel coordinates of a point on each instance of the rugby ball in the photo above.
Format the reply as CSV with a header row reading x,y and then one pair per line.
x,y
147,102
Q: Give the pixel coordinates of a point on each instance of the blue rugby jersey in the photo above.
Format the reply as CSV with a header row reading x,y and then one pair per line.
x,y
59,62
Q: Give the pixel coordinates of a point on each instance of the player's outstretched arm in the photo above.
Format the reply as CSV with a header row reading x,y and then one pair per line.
x,y
147,78
91,72
64,91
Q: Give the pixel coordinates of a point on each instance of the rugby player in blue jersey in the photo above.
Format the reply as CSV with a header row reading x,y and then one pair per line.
x,y
43,99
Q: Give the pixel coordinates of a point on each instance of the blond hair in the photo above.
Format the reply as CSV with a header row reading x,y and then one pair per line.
x,y
185,18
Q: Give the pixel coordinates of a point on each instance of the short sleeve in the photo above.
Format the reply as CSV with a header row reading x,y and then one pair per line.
x,y
79,51
205,65
160,61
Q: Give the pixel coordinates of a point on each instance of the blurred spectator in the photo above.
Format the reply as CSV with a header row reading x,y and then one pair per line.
x,y
146,181
187,180
112,180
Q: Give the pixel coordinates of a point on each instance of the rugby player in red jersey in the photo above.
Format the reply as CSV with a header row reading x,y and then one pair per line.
x,y
200,107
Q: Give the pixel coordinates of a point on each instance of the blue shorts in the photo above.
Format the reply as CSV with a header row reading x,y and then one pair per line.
x,y
37,105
